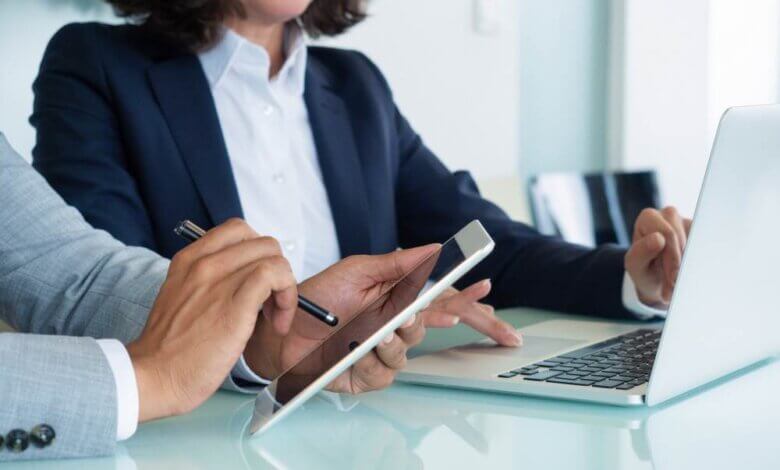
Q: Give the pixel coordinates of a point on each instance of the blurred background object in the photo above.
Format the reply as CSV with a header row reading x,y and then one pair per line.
x,y
592,209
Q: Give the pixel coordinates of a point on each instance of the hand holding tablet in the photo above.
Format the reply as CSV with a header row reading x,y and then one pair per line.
x,y
348,288
370,312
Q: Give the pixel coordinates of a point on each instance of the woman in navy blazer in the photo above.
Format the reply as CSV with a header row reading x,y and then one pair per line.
x,y
128,132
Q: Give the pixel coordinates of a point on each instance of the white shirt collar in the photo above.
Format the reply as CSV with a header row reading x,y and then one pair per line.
x,y
233,50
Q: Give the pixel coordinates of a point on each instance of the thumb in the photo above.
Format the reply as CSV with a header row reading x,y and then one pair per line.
x,y
397,264
644,251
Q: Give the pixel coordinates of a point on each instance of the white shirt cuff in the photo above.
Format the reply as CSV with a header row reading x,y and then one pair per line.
x,y
242,371
126,387
631,301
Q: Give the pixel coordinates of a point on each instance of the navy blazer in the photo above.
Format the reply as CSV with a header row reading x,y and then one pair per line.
x,y
127,131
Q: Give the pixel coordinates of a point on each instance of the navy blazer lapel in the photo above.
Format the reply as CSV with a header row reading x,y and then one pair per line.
x,y
184,95
339,161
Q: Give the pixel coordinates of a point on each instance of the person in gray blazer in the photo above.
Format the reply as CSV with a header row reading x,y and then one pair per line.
x,y
167,334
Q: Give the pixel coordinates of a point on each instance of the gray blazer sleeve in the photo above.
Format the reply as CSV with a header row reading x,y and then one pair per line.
x,y
61,277
61,381
66,283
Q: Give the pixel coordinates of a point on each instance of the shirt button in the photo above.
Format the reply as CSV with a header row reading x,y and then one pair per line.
x,y
289,246
42,435
17,440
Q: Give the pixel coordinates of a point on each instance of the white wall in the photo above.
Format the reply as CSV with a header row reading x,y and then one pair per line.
x,y
660,94
459,88
744,55
676,66
563,75
25,28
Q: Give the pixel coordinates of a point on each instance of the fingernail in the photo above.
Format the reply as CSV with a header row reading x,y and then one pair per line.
x,y
409,322
485,282
455,320
514,337
388,339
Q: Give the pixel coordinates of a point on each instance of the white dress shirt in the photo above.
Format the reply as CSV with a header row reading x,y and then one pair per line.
x,y
271,148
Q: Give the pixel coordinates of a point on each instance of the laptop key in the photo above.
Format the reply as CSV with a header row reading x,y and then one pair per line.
x,y
529,372
585,383
541,376
578,373
586,362
558,360
605,374
594,378
507,375
562,369
546,364
622,378
626,386
592,349
567,377
607,383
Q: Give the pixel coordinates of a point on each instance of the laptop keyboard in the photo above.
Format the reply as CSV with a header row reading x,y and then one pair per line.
x,y
621,363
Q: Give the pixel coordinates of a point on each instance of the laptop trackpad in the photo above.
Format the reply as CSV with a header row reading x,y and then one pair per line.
x,y
533,346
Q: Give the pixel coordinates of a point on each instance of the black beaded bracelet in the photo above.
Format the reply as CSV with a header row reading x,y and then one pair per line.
x,y
17,440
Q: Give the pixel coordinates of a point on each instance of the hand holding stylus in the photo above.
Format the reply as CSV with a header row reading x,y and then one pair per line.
x,y
352,284
204,315
189,231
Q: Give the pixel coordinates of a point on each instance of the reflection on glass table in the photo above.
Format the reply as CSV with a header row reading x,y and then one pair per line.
x,y
733,424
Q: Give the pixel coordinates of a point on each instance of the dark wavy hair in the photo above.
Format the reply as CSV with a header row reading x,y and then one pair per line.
x,y
195,24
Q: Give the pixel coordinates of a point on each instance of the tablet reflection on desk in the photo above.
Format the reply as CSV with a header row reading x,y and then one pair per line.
x,y
731,425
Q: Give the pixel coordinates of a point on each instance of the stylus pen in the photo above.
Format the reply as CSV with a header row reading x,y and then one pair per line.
x,y
191,232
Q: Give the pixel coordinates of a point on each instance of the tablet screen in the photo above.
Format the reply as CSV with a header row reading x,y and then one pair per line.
x,y
394,300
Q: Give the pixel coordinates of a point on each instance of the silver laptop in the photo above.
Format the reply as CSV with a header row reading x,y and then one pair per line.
x,y
724,314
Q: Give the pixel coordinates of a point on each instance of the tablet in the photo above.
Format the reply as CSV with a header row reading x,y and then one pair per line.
x,y
357,337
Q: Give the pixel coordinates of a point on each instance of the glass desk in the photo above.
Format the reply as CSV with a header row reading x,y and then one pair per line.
x,y
732,424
